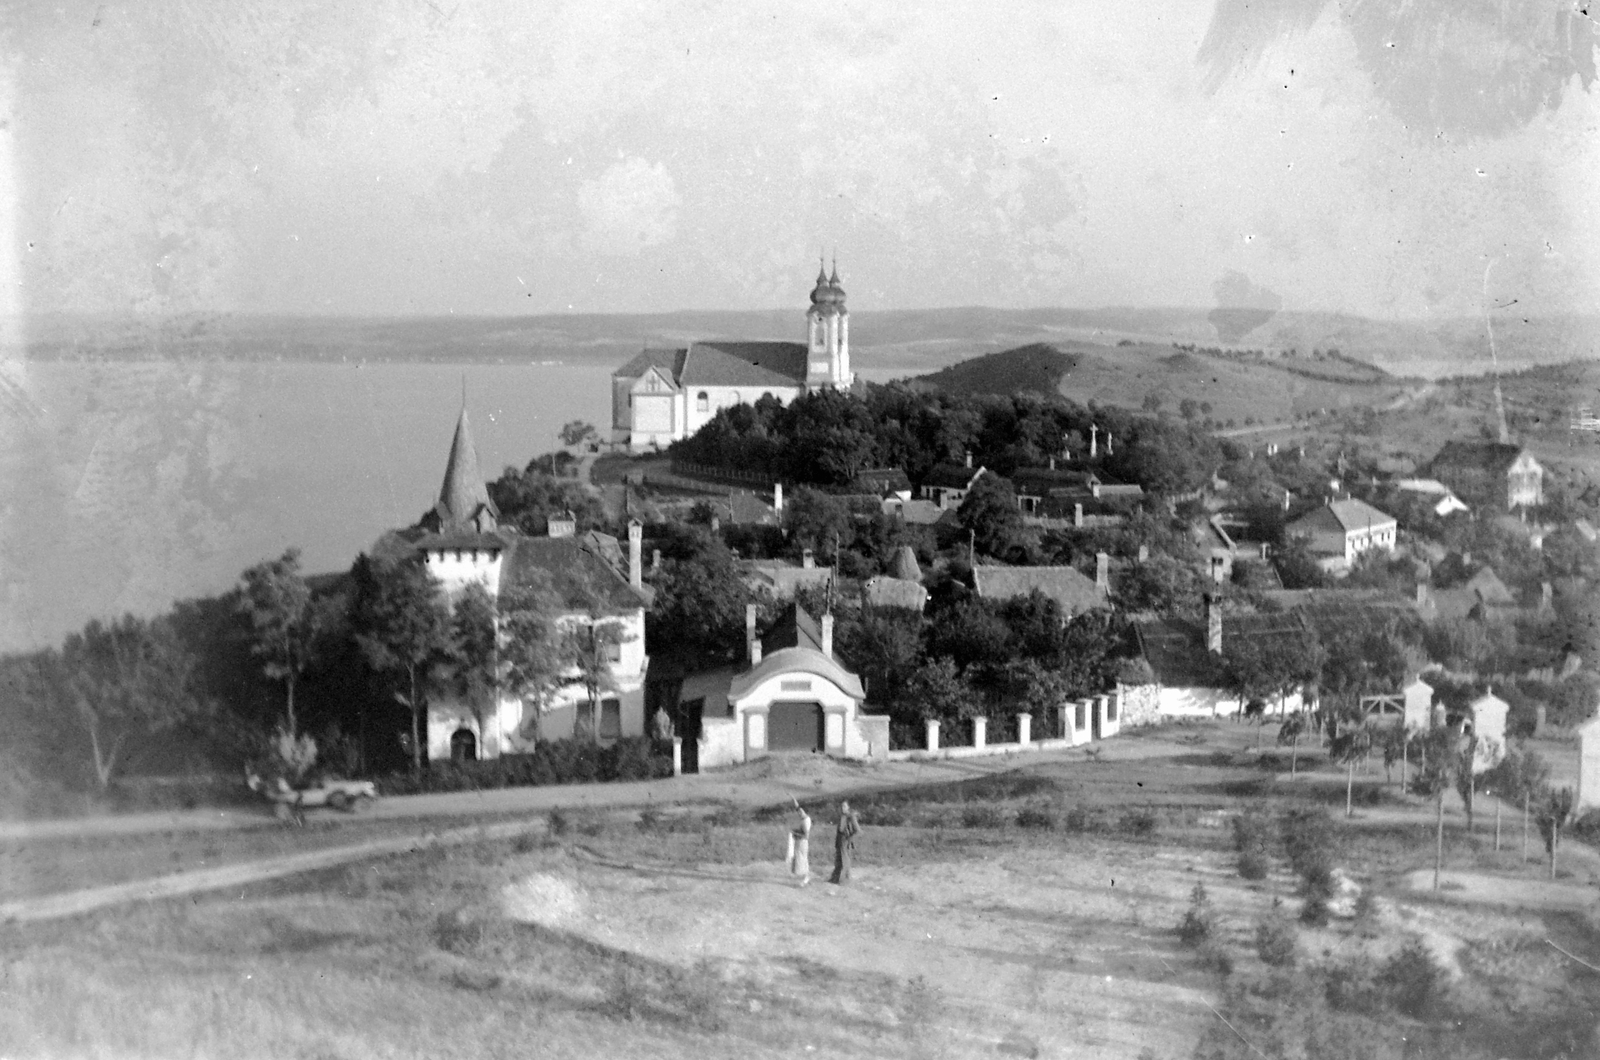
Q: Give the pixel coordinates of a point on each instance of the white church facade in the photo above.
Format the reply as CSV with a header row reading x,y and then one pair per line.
x,y
665,394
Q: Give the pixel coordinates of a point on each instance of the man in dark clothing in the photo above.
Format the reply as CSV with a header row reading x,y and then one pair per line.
x,y
844,843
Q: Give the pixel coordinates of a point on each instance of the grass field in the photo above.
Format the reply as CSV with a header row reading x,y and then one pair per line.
x,y
1028,913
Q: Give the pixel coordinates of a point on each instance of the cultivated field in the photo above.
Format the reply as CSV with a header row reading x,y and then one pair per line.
x,y
1023,913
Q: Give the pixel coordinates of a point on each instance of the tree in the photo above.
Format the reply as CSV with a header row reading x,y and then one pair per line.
x,y
123,680
938,692
989,513
699,609
577,433
1350,746
1527,776
472,666
535,654
403,627
286,621
1442,761
1289,732
817,521
1555,808
593,641
883,645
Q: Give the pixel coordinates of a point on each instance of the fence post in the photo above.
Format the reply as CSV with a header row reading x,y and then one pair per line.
x,y
980,732
677,756
933,736
1024,728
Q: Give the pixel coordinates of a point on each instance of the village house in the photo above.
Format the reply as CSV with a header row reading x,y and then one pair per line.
x,y
1340,531
461,542
663,395
1186,659
1439,497
947,485
1075,593
789,694
1490,474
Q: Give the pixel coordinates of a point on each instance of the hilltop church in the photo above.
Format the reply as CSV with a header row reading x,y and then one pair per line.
x,y
666,394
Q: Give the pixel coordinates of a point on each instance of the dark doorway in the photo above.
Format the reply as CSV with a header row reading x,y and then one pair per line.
x,y
687,720
463,746
794,727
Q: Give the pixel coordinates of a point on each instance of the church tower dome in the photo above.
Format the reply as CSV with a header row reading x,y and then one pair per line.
x,y
823,293
828,334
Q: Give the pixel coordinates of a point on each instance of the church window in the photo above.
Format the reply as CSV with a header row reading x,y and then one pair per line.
x,y
733,398
702,402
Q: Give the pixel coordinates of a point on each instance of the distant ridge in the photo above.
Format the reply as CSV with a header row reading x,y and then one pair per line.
x,y
1037,368
916,340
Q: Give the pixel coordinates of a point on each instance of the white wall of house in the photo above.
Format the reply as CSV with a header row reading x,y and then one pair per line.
x,y
655,417
1215,702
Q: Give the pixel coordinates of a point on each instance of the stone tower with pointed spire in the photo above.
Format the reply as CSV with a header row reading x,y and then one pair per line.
x,y
462,541
828,334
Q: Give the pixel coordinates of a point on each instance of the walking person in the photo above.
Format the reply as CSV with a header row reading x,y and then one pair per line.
x,y
800,844
844,843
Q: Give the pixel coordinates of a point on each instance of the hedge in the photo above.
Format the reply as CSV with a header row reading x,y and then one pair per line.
x,y
556,762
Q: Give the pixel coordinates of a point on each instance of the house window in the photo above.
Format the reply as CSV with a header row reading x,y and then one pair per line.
x,y
702,402
610,718
613,652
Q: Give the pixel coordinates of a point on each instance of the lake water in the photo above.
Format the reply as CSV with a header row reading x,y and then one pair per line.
x,y
130,485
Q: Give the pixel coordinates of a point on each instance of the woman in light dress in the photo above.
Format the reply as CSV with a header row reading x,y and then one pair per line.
x,y
800,845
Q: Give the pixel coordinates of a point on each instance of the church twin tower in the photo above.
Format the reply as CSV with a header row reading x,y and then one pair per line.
x,y
828,334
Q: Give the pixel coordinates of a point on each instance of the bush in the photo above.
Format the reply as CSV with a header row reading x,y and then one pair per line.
x,y
1411,980
1035,817
1214,957
455,932
1276,940
1311,844
1077,819
1141,823
1252,838
982,817
555,762
1199,920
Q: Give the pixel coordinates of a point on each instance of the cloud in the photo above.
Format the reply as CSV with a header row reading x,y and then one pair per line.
x,y
631,207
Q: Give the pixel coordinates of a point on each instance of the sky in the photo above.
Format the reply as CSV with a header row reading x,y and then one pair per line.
x,y
385,157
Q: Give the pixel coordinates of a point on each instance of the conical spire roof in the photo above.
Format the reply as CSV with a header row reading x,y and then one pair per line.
x,y
905,565
464,495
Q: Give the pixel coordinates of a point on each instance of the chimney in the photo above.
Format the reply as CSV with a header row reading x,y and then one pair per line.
x,y
1102,573
777,497
969,457
750,639
716,524
1422,594
1213,626
1144,553
635,554
1077,515
655,560
808,559
827,634
1052,463
1545,592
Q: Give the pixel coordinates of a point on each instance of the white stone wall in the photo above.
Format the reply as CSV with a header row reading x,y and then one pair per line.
x,y
1588,766
1141,705
721,742
454,569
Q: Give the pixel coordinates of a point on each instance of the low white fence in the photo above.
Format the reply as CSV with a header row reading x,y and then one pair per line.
x,y
1078,722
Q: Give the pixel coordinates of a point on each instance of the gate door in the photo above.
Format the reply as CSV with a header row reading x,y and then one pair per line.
x,y
794,727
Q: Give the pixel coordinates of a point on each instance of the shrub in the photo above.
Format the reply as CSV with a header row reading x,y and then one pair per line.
x,y
1199,920
555,762
1411,979
558,823
456,932
1276,940
982,817
1141,823
1035,817
1077,820
1214,957
1252,838
1310,842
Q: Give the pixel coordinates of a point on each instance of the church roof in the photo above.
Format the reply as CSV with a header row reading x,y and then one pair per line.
x,y
670,361
738,363
1493,458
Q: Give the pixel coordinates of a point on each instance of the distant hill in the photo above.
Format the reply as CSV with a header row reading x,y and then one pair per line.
x,y
918,340
1037,368
1232,389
